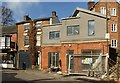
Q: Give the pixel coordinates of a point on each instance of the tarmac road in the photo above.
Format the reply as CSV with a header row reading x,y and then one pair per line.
x,y
18,76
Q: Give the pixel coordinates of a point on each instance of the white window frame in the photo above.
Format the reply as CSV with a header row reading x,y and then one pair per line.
x,y
114,28
38,43
26,30
114,43
38,24
103,10
113,11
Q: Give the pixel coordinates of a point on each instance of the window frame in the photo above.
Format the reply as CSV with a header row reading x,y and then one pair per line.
x,y
113,11
54,34
26,38
77,27
114,28
93,31
103,10
114,43
26,28
38,40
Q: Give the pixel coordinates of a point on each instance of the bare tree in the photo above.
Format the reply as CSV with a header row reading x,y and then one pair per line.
x,y
7,16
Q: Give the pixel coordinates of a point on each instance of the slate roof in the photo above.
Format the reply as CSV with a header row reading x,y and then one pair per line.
x,y
9,29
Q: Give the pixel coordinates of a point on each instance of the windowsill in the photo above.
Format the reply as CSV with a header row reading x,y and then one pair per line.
x,y
73,35
113,47
26,46
113,15
54,39
113,31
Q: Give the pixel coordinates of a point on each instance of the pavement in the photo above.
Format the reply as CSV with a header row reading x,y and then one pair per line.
x,y
31,75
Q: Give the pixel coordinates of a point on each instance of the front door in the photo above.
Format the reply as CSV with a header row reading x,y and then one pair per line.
x,y
69,60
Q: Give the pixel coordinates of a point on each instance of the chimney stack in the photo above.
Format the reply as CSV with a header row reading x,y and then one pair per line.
x,y
26,18
90,4
54,14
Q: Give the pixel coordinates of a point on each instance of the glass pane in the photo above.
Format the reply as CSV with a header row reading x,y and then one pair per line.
x,y
91,25
8,41
57,34
69,31
51,35
76,30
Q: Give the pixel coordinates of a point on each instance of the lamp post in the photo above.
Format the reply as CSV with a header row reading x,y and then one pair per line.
x,y
107,56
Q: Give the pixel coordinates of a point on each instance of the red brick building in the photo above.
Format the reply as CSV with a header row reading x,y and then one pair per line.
x,y
112,9
76,43
29,39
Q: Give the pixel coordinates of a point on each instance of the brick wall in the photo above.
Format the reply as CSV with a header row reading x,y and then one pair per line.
x,y
113,19
62,49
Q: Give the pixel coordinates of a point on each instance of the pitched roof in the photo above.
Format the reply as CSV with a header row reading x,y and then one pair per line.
x,y
88,12
55,20
9,29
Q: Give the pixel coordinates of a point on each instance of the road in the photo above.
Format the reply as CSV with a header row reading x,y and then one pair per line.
x,y
19,76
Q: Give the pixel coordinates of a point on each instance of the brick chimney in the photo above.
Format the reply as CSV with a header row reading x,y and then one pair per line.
x,y
90,4
26,18
54,14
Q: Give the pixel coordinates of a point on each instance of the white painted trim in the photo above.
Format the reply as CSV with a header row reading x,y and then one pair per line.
x,y
51,45
26,23
26,46
85,41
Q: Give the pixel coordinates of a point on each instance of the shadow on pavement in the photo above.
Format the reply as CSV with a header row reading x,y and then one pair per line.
x,y
10,78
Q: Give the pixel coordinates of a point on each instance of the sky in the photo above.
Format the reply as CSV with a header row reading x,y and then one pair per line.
x,y
40,9
43,9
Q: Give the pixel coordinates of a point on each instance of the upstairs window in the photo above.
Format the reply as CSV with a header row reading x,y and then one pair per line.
x,y
113,43
91,27
26,40
38,24
114,28
103,10
2,42
72,30
113,11
26,26
7,41
38,38
54,35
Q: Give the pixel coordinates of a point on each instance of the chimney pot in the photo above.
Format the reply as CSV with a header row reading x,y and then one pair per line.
x,y
26,17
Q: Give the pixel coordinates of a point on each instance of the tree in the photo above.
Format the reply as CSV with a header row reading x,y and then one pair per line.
x,y
32,42
7,16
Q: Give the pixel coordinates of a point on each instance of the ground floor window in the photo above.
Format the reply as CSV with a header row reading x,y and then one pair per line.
x,y
53,59
89,58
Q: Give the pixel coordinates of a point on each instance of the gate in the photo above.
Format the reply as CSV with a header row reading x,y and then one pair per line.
x,y
24,57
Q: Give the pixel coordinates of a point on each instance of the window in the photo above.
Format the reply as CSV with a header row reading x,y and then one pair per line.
x,y
26,40
2,42
72,30
26,26
53,59
38,43
113,43
114,28
103,10
7,42
91,27
54,35
91,52
113,11
38,24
